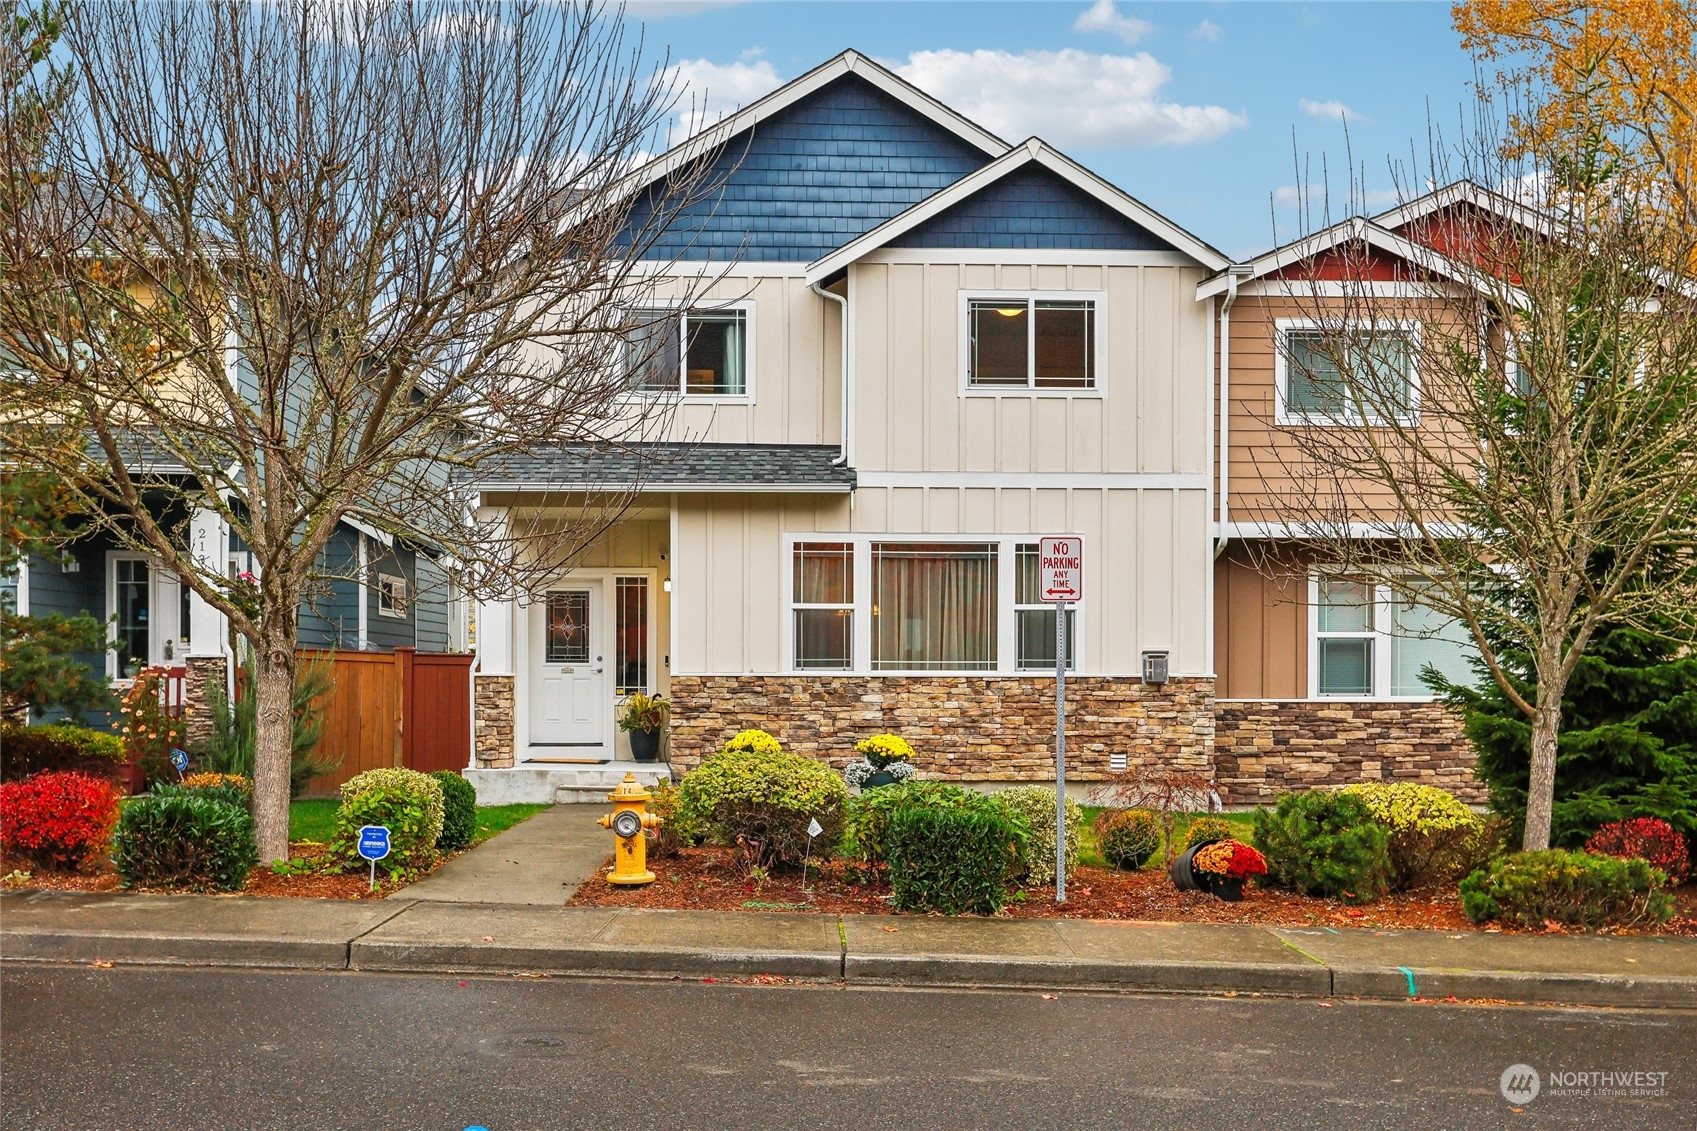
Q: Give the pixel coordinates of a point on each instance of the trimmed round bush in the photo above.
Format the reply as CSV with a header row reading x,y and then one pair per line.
x,y
405,801
58,820
60,747
1127,838
1434,837
1324,843
763,801
954,852
233,789
1649,839
184,839
1208,828
1036,804
1576,889
459,811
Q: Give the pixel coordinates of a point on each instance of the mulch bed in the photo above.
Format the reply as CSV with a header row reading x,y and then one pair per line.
x,y
261,881
711,879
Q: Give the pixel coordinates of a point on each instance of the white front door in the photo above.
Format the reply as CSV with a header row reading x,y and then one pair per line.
x,y
570,696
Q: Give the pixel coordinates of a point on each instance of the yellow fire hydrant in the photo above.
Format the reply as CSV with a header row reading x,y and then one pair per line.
x,y
629,820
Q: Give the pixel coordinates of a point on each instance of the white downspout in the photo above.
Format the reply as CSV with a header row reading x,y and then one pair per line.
x,y
842,310
1232,276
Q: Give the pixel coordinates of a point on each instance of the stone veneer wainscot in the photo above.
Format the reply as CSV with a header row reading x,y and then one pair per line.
x,y
966,728
492,732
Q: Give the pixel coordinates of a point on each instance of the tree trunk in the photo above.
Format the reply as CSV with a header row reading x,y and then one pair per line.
x,y
1541,785
274,723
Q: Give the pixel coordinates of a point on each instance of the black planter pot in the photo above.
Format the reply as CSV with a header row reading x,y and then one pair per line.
x,y
1184,877
881,777
1228,888
645,745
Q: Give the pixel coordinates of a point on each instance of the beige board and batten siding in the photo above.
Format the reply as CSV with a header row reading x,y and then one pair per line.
x,y
1147,414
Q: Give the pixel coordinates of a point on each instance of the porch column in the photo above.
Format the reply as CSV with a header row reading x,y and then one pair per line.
x,y
207,661
494,706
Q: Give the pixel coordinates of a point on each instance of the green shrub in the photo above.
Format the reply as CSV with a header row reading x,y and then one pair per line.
x,y
228,788
459,811
677,830
1127,838
407,802
1434,837
1576,889
954,853
763,800
1208,828
1324,843
184,838
26,750
1036,804
867,815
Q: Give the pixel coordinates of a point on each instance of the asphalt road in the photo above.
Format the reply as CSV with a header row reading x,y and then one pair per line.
x,y
223,1049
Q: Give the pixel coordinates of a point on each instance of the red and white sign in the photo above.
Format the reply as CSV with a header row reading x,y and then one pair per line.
x,y
1060,563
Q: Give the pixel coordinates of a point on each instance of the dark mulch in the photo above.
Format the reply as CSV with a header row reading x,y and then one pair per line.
x,y
711,879
261,881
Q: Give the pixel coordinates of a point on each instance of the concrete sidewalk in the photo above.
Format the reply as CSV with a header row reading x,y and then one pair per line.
x,y
425,935
539,861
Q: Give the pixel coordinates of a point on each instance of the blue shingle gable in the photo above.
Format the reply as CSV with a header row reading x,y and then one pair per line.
x,y
815,175
1031,208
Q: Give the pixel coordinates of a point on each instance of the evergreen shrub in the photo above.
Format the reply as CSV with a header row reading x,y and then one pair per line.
x,y
1326,844
1575,889
459,811
184,838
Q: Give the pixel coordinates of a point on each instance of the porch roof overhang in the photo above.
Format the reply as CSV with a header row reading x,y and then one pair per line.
x,y
662,468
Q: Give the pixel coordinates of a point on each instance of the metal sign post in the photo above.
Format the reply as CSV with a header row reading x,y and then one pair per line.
x,y
1061,578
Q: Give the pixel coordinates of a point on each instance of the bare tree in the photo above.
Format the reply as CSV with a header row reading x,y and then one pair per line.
x,y
300,262
1504,431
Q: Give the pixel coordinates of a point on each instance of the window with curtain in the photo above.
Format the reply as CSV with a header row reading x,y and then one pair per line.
x,y
1034,619
1381,366
824,605
1026,343
696,352
1422,636
933,606
1371,642
630,631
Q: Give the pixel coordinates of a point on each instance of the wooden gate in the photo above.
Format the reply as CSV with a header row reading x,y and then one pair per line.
x,y
397,708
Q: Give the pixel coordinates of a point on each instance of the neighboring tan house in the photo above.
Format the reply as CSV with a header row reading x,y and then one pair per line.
x,y
929,348
1317,676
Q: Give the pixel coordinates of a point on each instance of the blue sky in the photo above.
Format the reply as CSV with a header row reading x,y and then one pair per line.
x,y
1200,110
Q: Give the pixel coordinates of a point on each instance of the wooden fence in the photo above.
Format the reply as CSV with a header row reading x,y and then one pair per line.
x,y
400,708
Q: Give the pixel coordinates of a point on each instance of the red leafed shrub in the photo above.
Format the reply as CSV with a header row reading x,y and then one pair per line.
x,y
1649,839
58,820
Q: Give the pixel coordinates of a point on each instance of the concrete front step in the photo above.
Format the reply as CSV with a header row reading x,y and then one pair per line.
x,y
561,784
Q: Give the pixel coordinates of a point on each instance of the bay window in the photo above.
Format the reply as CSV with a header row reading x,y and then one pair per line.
x,y
1370,642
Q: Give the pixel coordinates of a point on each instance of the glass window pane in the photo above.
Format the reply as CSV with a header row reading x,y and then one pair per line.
x,y
1346,666
1026,590
1345,606
132,625
652,358
717,353
1312,382
1001,342
1421,636
1066,345
933,607
1390,361
1037,639
823,638
567,638
630,646
184,595
824,573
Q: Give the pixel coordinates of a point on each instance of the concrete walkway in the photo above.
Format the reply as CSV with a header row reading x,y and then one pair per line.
x,y
538,862
423,935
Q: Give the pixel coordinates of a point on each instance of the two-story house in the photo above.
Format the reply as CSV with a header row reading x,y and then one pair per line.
x,y
923,349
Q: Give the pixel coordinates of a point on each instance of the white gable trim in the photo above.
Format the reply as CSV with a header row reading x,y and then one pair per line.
x,y
1463,192
1034,150
848,63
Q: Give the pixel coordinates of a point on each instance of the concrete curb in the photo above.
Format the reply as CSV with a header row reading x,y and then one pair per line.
x,y
1636,991
1025,973
401,957
149,949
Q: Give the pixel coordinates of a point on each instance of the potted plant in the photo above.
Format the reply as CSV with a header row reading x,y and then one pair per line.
x,y
644,716
884,760
1219,867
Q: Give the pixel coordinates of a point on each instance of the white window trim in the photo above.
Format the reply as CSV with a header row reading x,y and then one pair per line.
x,y
1007,639
1099,322
678,394
1281,375
1381,635
397,587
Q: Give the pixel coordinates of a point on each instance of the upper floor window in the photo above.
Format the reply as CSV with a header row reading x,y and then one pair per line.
x,y
391,595
695,352
1379,384
1370,642
1031,343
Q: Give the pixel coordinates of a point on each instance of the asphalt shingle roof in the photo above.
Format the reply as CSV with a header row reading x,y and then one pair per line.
x,y
669,467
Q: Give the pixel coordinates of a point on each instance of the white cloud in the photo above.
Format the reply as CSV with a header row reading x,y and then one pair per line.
x,y
708,91
1103,16
1073,99
1330,111
1208,30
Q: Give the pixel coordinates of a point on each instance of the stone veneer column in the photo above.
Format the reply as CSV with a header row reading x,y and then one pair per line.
x,y
199,671
493,709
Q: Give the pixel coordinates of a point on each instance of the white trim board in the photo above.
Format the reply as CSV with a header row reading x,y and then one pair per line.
x,y
1026,480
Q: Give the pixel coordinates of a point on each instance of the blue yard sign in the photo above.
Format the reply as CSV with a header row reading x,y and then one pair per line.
x,y
180,761
373,846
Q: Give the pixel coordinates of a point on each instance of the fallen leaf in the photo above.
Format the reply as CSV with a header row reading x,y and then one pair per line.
x,y
891,930
1048,997
1632,960
1324,1004
710,980
488,938
101,965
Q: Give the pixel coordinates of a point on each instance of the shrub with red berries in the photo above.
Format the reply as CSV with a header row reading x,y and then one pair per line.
x,y
58,820
1649,839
